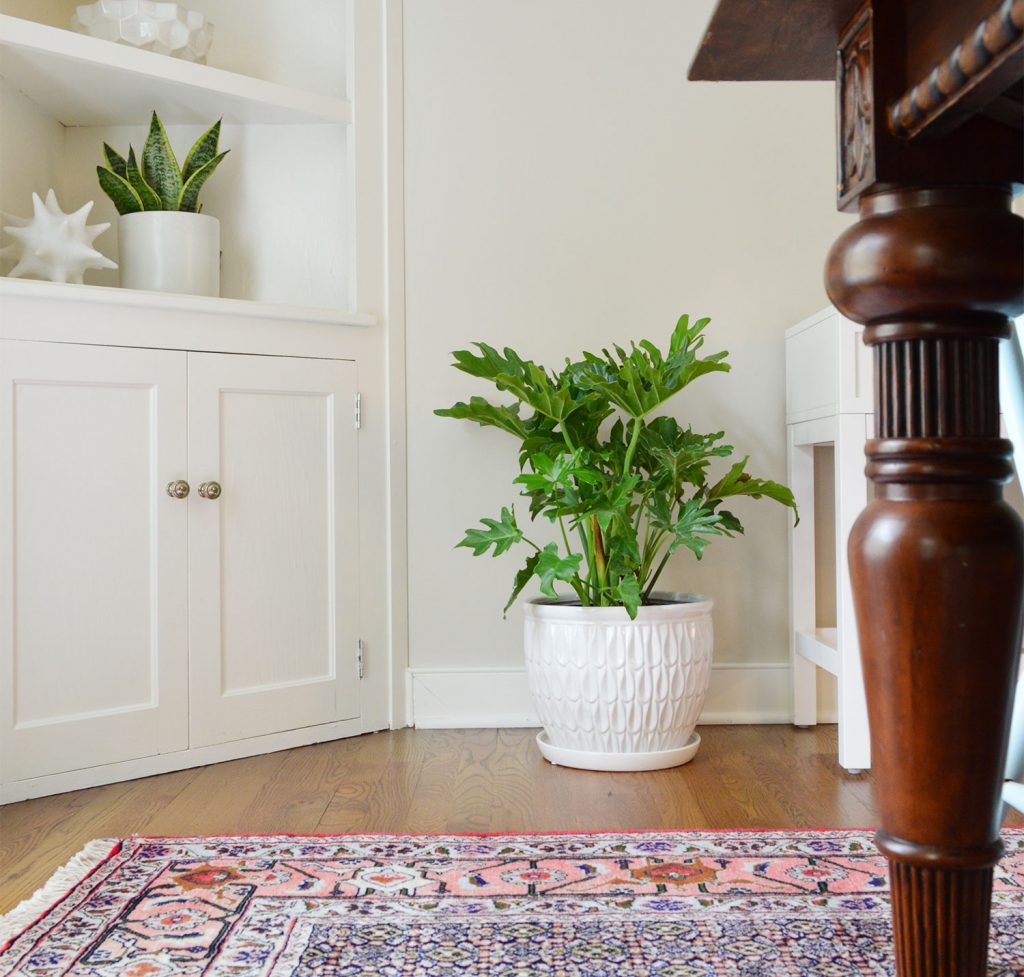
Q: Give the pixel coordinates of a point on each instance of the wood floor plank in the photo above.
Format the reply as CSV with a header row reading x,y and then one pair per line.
x,y
219,800
471,806
437,781
377,781
437,766
37,837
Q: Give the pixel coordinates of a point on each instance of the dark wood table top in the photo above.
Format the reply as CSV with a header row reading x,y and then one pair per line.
x,y
795,40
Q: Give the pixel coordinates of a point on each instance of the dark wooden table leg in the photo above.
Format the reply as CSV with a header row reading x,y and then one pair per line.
x,y
937,556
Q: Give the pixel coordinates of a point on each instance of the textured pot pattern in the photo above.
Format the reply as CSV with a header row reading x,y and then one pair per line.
x,y
603,683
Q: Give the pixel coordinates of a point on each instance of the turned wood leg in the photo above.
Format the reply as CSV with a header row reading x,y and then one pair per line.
x,y
936,558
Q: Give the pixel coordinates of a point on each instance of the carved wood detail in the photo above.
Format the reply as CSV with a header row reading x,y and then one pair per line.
x,y
855,105
930,900
999,36
949,388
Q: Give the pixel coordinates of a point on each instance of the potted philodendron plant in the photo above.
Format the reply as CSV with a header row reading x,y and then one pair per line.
x,y
618,670
165,243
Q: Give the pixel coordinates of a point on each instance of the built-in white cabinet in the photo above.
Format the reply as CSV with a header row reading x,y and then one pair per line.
x,y
93,560
141,632
179,553
279,79
274,558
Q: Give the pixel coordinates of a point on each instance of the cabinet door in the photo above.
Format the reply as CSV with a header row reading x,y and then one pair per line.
x,y
93,631
273,562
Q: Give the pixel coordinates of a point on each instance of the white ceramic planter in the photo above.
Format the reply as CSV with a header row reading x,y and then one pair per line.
x,y
616,694
170,251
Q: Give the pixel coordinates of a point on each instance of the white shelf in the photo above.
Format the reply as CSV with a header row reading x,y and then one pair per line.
x,y
83,81
129,298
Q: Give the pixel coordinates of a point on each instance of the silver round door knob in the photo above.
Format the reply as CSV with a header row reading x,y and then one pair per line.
x,y
210,490
178,489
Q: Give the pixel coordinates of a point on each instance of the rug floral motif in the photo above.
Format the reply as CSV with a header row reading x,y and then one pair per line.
x,y
807,904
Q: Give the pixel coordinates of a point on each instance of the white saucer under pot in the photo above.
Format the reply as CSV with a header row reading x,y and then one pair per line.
x,y
616,694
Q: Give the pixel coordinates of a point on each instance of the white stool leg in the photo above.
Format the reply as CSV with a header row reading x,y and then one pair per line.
x,y
1011,401
801,583
1015,754
851,498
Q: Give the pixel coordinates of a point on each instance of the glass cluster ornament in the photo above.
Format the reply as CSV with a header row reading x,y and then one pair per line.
x,y
153,25
52,245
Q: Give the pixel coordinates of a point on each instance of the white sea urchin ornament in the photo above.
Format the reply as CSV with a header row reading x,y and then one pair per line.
x,y
52,245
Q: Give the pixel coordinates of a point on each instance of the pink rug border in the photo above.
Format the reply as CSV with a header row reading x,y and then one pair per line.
x,y
119,844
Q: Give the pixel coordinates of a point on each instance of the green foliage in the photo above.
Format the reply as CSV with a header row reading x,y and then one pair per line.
x,y
626,491
501,534
156,182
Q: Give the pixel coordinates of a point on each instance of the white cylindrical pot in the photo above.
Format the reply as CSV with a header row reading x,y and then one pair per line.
x,y
170,251
616,694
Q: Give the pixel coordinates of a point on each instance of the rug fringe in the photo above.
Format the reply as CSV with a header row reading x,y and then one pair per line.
x,y
56,887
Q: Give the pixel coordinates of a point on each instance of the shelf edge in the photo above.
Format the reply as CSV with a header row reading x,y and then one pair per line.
x,y
17,32
169,301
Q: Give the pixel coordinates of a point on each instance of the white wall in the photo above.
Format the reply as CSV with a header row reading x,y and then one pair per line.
x,y
566,188
28,162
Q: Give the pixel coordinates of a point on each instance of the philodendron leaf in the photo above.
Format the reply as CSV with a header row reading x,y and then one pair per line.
x,y
189,199
501,533
522,378
552,567
115,161
522,579
159,165
675,455
149,197
203,150
627,593
126,200
696,520
487,414
551,473
639,381
738,482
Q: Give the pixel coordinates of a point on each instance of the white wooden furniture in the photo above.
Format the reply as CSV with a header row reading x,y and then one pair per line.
x,y
141,632
191,562
284,79
828,402
1011,403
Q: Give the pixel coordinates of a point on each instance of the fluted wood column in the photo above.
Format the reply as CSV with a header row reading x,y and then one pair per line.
x,y
938,557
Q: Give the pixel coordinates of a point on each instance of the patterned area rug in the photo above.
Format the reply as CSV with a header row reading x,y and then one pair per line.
x,y
689,904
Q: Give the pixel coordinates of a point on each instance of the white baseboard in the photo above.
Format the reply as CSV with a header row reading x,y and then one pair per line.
x,y
464,698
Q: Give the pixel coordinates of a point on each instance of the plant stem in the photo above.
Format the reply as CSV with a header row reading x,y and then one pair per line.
x,y
638,424
591,570
577,585
600,560
640,510
565,536
654,579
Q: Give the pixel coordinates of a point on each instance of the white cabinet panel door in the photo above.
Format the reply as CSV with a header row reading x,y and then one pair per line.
x,y
93,632
273,562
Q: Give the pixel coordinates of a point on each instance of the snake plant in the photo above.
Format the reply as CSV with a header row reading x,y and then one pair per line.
x,y
155,181
625,490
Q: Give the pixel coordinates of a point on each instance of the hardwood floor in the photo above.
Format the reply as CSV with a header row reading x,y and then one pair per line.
x,y
437,781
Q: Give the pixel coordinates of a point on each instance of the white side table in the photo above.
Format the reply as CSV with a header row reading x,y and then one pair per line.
x,y
829,401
